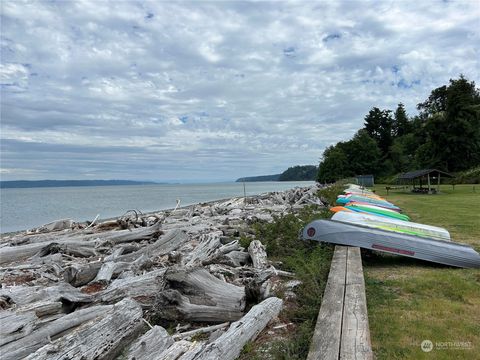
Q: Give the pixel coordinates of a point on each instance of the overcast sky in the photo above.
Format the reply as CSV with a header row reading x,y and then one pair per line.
x,y
211,91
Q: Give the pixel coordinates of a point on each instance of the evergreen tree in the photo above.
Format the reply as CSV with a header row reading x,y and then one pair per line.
x,y
402,125
378,124
333,166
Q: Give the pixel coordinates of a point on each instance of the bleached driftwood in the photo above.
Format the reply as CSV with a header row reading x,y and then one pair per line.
x,y
197,295
207,247
110,261
104,339
229,345
36,339
13,254
146,287
16,325
81,274
148,346
182,350
22,295
258,254
204,330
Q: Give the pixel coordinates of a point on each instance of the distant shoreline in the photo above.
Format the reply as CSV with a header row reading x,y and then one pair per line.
x,y
23,184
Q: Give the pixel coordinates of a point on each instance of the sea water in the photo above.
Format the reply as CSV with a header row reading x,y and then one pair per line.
x,y
23,209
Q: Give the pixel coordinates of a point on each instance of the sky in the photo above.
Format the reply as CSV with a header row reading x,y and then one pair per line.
x,y
212,91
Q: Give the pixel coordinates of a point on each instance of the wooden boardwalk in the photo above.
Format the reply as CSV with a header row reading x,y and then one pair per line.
x,y
342,329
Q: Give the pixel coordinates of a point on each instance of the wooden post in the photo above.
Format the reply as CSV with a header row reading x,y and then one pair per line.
x,y
428,179
244,194
438,184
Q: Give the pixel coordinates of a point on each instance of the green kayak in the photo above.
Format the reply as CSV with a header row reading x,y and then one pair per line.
x,y
381,212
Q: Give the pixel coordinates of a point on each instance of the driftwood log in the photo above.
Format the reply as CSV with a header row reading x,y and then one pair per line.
x,y
80,291
230,344
196,295
105,338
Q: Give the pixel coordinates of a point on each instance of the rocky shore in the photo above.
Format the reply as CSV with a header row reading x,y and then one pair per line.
x,y
100,290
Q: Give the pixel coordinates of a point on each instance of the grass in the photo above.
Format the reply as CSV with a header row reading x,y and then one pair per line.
x,y
310,261
410,300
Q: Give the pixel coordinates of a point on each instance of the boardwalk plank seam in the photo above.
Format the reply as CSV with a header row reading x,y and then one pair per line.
x,y
341,330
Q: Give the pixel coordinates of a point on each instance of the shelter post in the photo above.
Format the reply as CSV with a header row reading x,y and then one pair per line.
x,y
428,179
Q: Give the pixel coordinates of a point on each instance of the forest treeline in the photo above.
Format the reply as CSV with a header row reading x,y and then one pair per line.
x,y
445,134
294,173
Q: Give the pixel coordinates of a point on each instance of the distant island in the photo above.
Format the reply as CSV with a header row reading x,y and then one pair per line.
x,y
294,173
60,183
260,178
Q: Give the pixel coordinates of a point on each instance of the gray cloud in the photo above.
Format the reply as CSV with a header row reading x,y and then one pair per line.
x,y
212,90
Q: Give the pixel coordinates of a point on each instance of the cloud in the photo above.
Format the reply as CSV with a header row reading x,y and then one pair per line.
x,y
212,90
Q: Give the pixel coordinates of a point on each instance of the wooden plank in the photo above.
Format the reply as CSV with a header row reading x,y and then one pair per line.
x,y
326,338
355,340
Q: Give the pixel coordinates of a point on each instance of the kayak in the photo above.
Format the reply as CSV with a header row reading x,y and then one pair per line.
x,y
389,224
378,211
383,203
336,209
373,196
434,250
371,205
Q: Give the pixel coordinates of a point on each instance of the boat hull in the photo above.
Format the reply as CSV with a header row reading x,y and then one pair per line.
x,y
388,224
437,251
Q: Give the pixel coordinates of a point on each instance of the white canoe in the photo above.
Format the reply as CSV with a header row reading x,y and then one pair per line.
x,y
389,224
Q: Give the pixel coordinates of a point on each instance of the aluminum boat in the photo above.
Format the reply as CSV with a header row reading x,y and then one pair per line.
x,y
434,250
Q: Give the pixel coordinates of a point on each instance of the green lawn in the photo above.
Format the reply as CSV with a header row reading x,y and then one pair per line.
x,y
410,300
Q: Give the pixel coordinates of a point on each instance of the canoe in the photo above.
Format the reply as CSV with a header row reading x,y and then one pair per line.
x,y
377,211
438,251
389,224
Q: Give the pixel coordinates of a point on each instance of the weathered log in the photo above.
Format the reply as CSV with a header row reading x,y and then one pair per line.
x,y
207,247
42,308
69,249
164,245
22,295
196,295
181,350
148,346
35,340
104,339
122,236
78,275
56,225
112,268
229,345
15,326
258,254
117,262
204,330
13,254
144,288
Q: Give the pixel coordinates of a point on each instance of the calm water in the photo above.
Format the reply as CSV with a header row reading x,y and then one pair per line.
x,y
27,208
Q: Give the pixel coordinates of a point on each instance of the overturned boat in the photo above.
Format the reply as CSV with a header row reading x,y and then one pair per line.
x,y
434,250
389,224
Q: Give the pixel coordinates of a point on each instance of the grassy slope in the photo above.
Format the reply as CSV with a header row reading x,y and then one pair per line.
x,y
310,261
410,300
